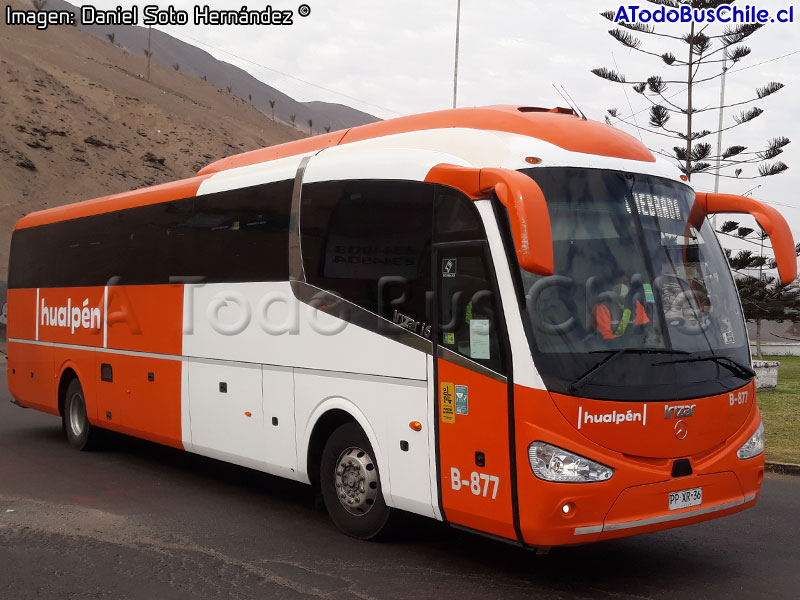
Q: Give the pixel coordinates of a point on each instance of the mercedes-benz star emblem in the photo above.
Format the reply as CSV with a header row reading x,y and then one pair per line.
x,y
681,429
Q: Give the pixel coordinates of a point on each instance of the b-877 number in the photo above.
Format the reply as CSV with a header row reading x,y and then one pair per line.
x,y
478,483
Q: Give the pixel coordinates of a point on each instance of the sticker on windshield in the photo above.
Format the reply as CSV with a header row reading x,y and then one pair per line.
x,y
727,331
449,267
648,293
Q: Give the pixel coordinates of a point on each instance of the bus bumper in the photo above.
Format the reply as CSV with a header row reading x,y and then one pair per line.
x,y
635,510
644,508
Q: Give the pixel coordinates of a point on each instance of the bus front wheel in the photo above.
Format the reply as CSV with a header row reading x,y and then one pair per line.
x,y
80,433
350,484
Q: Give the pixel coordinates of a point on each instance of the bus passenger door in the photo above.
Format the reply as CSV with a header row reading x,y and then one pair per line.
x,y
472,389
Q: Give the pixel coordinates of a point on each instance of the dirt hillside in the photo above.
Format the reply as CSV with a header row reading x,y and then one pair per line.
x,y
79,120
195,61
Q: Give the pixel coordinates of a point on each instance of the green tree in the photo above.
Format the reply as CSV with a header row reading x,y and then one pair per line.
x,y
272,106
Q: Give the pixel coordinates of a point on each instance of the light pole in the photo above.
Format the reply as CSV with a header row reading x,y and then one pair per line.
x,y
455,70
721,116
719,132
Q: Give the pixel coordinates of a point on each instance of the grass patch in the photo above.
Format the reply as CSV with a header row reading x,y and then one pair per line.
x,y
780,410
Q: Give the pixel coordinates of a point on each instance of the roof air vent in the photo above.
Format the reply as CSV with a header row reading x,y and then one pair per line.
x,y
535,109
563,111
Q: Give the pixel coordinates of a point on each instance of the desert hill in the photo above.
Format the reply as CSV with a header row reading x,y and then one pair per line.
x,y
78,120
168,50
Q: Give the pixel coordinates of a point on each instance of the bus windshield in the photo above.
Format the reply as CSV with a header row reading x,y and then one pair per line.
x,y
642,305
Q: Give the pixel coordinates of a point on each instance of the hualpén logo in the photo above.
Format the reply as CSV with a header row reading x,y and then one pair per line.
x,y
74,317
613,417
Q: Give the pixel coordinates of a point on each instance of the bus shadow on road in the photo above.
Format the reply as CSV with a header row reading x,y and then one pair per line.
x,y
191,469
642,566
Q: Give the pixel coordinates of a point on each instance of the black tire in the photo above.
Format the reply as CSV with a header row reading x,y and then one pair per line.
x,y
366,518
80,433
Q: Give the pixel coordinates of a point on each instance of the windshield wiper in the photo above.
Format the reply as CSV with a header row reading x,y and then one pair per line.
x,y
589,375
733,366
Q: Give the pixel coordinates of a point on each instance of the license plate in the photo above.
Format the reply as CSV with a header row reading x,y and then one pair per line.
x,y
685,498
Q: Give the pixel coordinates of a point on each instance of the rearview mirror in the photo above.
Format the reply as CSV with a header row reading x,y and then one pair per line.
x,y
524,200
770,220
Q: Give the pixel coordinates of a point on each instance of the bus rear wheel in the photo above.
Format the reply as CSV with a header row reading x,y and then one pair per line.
x,y
350,484
80,433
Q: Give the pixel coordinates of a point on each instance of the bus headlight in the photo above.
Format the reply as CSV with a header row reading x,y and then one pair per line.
x,y
552,463
753,446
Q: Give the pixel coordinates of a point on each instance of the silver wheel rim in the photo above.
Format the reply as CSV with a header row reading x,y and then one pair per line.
x,y
77,415
356,480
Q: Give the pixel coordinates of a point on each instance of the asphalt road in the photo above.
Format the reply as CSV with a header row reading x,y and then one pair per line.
x,y
137,520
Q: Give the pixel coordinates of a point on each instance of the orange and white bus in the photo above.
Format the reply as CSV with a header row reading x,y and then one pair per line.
x,y
511,319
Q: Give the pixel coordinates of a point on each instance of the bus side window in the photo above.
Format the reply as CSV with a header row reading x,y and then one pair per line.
x,y
230,236
369,242
236,235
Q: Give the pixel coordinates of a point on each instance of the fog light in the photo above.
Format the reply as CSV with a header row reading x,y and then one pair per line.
x,y
566,509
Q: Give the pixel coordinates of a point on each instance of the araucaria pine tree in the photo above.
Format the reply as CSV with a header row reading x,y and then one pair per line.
x,y
763,297
698,56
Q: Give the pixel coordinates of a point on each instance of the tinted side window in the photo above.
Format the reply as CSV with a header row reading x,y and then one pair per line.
x,y
241,235
370,243
238,235
457,219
